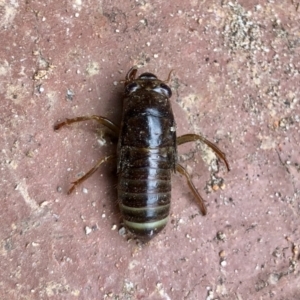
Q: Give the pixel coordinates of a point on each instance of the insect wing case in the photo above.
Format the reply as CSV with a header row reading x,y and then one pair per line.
x,y
146,156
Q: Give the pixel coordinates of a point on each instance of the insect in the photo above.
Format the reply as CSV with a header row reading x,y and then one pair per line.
x,y
146,154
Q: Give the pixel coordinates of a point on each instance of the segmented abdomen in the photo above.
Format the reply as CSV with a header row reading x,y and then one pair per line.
x,y
144,190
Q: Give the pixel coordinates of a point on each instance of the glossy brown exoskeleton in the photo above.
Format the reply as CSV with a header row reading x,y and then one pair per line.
x,y
146,154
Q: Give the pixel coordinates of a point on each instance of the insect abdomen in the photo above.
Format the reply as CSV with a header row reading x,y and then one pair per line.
x,y
144,191
146,158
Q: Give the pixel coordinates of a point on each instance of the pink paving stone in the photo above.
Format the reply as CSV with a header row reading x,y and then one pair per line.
x,y
236,81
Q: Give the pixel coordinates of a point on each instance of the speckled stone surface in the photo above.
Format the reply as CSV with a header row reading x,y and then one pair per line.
x,y
236,81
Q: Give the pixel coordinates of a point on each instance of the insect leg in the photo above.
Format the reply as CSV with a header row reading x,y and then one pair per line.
x,y
195,137
103,121
182,171
169,76
130,76
90,172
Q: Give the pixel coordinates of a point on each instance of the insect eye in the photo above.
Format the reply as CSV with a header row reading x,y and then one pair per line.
x,y
131,87
166,90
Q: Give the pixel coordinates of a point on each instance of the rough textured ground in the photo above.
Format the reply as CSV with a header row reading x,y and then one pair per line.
x,y
236,81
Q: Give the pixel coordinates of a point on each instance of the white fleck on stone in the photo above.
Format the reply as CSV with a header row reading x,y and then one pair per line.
x,y
88,230
223,263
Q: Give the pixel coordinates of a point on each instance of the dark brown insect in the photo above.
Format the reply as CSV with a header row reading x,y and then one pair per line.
x,y
146,154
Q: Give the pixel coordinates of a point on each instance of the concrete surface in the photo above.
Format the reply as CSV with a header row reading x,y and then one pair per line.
x,y
236,81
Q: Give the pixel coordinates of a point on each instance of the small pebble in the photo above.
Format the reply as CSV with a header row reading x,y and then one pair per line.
x,y
88,230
